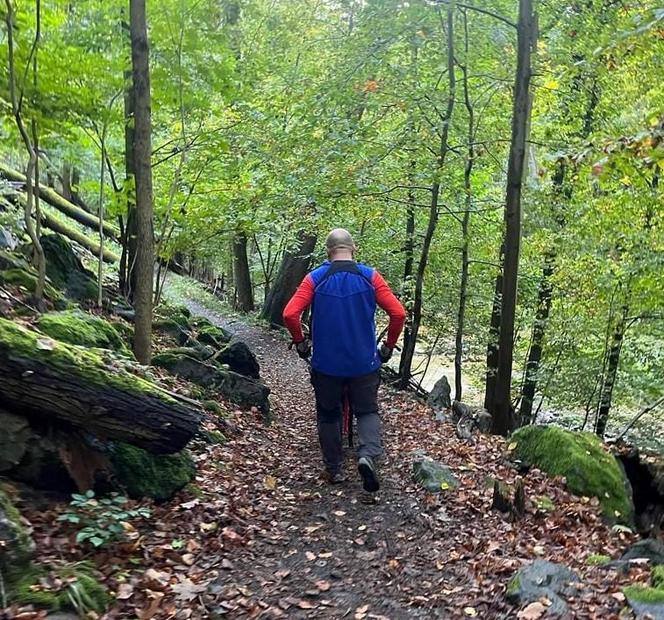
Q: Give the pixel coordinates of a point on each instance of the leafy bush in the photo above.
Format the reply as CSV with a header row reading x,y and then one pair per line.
x,y
102,521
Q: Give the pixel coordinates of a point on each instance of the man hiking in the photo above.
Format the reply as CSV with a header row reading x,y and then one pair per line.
x,y
343,295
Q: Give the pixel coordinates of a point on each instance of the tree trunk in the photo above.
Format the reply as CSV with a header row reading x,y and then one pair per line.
x,y
494,333
613,362
465,222
143,269
16,104
503,415
59,383
244,293
51,197
293,268
127,277
539,328
406,362
409,250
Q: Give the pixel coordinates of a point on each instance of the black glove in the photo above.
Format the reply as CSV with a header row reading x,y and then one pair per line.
x,y
384,353
303,348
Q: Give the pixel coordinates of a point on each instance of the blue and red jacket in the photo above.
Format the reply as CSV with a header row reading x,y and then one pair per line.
x,y
343,295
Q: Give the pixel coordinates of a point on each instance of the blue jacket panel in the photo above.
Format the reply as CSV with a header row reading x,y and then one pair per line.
x,y
343,320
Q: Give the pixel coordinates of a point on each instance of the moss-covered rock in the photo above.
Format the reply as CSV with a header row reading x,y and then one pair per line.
x,y
80,328
173,329
589,469
434,477
60,588
143,474
16,544
178,313
648,601
27,279
13,260
207,333
66,271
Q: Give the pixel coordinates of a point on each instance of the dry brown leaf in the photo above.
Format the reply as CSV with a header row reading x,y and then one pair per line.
x,y
323,585
532,612
187,590
124,591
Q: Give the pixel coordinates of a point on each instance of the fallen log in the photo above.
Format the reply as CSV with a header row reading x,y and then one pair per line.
x,y
52,223
50,381
54,199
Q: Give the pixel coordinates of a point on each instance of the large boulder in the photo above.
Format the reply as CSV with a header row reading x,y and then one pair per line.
x,y
239,358
14,439
239,389
649,549
142,474
8,240
66,271
16,544
434,477
439,398
589,469
543,580
80,328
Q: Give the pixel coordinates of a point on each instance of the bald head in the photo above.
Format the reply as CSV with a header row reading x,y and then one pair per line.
x,y
339,244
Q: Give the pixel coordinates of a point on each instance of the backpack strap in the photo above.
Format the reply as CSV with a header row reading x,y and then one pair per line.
x,y
341,266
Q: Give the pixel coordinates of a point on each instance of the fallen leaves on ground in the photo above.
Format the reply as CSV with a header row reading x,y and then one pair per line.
x,y
259,535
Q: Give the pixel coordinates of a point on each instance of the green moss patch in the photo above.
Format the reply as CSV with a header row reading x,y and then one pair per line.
x,y
27,280
589,469
148,475
658,577
92,365
81,328
644,594
597,559
17,545
60,588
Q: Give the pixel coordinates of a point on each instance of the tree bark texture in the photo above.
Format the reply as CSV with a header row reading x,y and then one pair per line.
x,y
293,268
244,293
539,329
503,415
406,362
86,395
143,268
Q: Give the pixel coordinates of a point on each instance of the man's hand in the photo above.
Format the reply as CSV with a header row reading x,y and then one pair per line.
x,y
303,348
384,353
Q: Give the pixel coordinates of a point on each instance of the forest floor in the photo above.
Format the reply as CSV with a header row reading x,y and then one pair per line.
x,y
296,547
261,535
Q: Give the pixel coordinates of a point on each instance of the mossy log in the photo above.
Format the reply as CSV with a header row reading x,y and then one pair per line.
x,y
54,199
52,223
49,380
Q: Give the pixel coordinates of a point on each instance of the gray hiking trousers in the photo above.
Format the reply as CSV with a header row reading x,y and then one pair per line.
x,y
363,395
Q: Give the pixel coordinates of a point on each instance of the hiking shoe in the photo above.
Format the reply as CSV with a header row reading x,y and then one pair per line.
x,y
334,477
368,472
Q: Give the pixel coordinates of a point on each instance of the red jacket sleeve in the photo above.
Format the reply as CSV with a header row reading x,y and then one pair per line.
x,y
386,299
298,303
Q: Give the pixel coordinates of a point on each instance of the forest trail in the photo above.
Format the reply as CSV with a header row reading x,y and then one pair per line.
x,y
322,551
294,547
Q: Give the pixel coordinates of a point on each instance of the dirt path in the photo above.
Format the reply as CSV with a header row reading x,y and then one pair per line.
x,y
286,545
324,547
